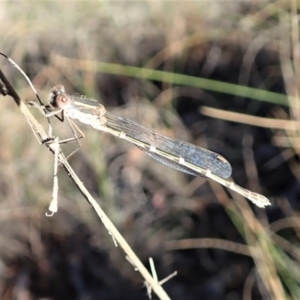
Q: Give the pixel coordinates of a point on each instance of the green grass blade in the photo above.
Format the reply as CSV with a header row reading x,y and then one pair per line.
x,y
180,79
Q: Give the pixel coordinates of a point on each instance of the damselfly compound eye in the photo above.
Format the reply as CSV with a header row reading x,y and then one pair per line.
x,y
62,101
58,98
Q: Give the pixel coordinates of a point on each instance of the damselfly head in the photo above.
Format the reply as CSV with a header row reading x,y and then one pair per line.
x,y
58,98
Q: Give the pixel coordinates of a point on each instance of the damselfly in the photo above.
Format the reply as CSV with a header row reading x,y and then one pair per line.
x,y
177,154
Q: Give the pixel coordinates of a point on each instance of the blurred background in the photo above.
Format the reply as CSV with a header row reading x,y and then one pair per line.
x,y
179,68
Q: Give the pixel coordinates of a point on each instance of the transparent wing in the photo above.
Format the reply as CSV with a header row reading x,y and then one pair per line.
x,y
190,153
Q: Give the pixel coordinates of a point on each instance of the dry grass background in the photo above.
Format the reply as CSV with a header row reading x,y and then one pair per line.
x,y
236,251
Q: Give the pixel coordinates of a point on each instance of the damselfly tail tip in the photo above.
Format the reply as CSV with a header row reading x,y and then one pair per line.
x,y
259,200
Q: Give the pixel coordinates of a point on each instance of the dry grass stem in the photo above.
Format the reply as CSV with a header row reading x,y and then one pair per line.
x,y
42,136
249,120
